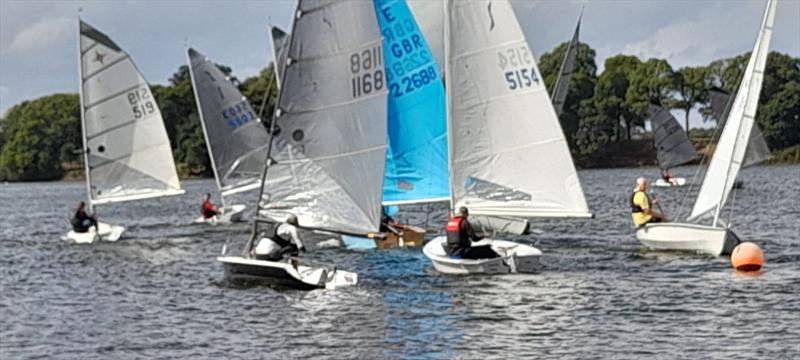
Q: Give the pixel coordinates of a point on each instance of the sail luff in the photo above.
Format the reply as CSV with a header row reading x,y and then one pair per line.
x,y
84,135
448,102
508,149
730,150
203,125
561,87
129,153
326,163
757,149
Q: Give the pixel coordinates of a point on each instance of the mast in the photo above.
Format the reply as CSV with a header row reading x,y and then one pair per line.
x,y
448,90
205,131
83,122
275,114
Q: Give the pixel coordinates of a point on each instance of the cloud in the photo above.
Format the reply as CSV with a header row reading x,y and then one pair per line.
x,y
42,34
699,39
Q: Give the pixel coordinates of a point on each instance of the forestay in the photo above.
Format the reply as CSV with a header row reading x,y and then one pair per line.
x,y
280,42
730,150
235,136
757,148
416,160
565,74
508,153
672,144
329,148
127,149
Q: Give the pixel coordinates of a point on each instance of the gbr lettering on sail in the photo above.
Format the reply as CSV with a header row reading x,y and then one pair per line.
x,y
516,65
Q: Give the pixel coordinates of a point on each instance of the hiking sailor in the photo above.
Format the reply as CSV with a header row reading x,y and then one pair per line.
x,y
281,243
208,209
81,221
460,236
641,203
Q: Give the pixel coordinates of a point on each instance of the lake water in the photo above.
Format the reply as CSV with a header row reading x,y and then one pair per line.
x,y
159,293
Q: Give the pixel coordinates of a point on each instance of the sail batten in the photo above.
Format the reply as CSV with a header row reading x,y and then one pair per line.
x,y
329,148
672,144
731,148
416,160
127,151
235,136
509,156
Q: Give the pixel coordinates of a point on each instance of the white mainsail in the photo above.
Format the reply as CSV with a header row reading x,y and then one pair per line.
x,y
235,135
127,151
508,154
561,87
730,150
329,143
757,148
280,44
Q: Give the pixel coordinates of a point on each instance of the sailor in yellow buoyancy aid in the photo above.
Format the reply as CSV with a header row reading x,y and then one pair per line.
x,y
641,210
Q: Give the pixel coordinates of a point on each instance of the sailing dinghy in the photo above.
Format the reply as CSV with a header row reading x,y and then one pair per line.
x,y
718,239
508,155
416,159
235,135
328,140
127,154
672,144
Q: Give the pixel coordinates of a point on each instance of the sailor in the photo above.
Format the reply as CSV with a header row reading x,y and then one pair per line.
x,y
81,221
388,223
666,174
641,210
208,209
460,236
282,243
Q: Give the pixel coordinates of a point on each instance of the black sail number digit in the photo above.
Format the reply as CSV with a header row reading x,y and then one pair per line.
x,y
366,69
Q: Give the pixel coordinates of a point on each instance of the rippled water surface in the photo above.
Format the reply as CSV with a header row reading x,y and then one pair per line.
x,y
159,293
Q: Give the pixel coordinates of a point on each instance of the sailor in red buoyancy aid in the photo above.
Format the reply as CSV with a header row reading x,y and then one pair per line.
x,y
208,209
460,236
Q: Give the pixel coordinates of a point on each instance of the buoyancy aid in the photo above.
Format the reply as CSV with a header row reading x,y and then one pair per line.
x,y
456,238
636,208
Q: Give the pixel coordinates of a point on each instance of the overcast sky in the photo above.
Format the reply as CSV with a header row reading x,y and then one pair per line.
x,y
38,51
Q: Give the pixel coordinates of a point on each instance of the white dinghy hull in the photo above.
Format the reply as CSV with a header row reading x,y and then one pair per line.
x,y
230,214
107,233
284,274
676,182
704,239
514,258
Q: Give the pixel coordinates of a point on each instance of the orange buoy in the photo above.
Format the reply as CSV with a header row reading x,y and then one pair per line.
x,y
747,256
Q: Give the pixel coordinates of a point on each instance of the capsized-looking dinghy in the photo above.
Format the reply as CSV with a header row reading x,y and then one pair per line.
x,y
126,150
327,146
722,171
508,155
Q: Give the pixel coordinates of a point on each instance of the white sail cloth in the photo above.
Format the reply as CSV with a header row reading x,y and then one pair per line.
x,y
236,138
730,151
509,156
129,154
329,148
757,148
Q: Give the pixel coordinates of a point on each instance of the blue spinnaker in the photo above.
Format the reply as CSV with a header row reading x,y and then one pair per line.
x,y
416,162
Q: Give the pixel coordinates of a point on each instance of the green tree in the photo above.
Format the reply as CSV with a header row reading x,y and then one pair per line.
x,y
610,97
690,83
38,136
581,84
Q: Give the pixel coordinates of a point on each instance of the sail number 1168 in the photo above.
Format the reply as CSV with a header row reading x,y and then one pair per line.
x,y
366,67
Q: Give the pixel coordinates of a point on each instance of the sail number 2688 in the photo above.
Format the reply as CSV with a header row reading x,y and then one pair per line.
x,y
141,103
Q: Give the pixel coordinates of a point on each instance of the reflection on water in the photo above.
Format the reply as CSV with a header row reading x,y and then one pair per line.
x,y
158,292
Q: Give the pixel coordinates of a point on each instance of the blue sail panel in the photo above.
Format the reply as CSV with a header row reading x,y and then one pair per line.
x,y
416,161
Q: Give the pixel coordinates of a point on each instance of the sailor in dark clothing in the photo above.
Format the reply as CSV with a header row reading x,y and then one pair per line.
x,y
81,221
282,242
387,223
460,236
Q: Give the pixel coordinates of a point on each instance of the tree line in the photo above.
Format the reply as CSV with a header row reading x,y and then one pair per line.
x,y
40,139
